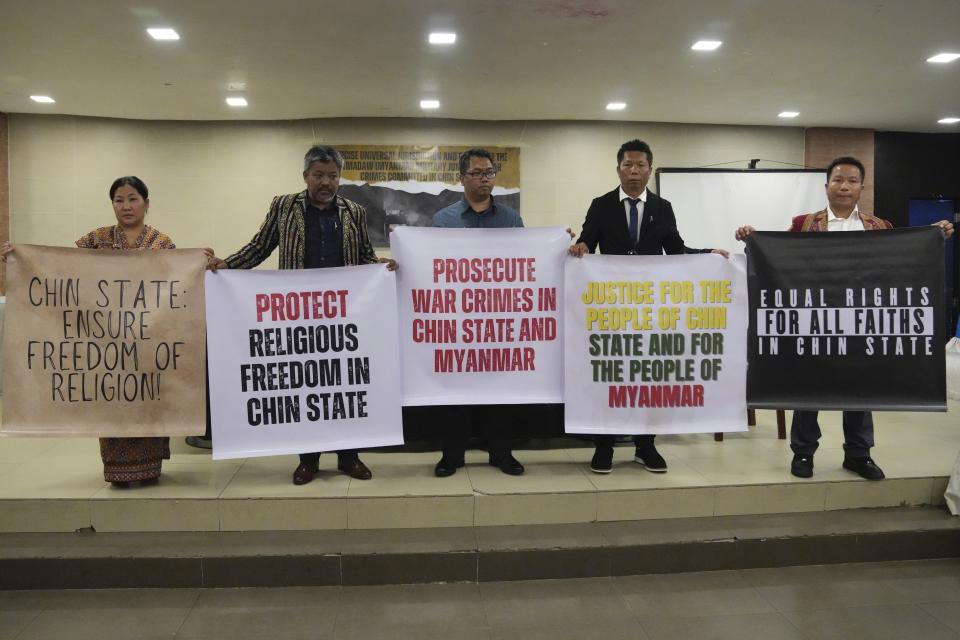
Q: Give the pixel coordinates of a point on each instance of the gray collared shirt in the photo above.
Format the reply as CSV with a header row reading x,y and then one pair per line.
x,y
460,215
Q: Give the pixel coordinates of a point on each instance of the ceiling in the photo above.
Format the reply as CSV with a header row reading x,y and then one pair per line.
x,y
859,63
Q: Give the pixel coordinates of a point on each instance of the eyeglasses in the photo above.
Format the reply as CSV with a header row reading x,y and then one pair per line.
x,y
476,174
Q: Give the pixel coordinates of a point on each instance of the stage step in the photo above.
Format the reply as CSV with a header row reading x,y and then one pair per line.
x,y
89,559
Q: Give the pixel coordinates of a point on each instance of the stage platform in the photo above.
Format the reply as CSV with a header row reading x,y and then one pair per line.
x,y
56,485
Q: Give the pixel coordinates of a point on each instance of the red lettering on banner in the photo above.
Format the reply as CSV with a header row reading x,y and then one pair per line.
x,y
484,269
538,329
434,330
302,305
483,360
434,300
655,396
487,330
496,300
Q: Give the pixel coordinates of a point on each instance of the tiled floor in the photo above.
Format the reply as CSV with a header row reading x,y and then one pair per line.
x,y
56,484
896,600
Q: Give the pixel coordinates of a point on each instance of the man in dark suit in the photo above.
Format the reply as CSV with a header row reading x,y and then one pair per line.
x,y
630,220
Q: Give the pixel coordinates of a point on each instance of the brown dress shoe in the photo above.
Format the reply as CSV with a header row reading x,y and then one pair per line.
x,y
354,468
304,473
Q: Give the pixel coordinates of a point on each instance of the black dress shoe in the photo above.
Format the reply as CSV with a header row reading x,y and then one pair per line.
x,y
648,456
602,461
802,465
304,473
864,467
447,467
508,464
353,467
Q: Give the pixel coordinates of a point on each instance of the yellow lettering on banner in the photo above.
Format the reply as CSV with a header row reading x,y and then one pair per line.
x,y
618,292
706,317
716,291
668,318
676,292
618,318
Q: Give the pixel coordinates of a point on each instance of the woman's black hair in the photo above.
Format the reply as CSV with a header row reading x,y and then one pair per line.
x,y
132,181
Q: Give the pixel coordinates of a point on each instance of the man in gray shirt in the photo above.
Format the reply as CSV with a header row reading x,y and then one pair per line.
x,y
477,210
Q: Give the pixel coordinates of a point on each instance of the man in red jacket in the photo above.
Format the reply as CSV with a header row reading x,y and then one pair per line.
x,y
845,177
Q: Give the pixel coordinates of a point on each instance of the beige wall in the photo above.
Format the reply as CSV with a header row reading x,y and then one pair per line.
x,y
4,194
211,182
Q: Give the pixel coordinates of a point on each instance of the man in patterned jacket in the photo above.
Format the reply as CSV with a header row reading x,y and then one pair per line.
x,y
845,177
314,229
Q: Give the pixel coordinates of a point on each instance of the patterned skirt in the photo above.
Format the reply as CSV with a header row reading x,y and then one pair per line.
x,y
133,459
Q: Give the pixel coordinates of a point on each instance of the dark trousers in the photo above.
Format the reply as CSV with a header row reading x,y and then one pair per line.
x,y
608,440
857,433
314,458
494,422
208,434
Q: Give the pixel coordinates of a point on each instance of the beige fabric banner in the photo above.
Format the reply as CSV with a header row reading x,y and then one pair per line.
x,y
104,343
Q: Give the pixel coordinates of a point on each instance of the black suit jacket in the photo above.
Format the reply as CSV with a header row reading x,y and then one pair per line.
x,y
606,226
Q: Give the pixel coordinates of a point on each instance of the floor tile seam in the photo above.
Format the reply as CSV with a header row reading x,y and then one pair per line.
x,y
773,611
483,606
831,607
190,610
623,600
233,477
758,589
792,624
909,605
23,630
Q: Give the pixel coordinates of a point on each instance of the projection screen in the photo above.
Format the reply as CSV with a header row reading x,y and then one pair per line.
x,y
711,203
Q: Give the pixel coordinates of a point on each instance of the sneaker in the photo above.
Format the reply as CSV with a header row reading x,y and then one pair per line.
x,y
802,465
864,467
649,457
508,464
602,461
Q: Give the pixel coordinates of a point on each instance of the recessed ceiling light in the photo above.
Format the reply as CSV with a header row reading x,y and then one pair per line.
x,y
948,120
429,104
788,114
163,33
616,106
442,38
237,101
943,58
706,45
43,99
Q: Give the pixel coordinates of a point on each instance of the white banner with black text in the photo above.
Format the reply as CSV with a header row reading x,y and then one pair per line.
x,y
303,360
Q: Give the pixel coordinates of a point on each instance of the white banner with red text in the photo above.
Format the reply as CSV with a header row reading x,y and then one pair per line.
x,y
480,319
303,360
655,344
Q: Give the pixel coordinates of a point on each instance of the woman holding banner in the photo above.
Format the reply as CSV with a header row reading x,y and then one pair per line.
x,y
126,460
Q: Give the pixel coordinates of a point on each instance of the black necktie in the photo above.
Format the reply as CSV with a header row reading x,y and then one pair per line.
x,y
634,227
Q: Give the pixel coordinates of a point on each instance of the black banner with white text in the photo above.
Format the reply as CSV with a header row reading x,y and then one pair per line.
x,y
846,320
